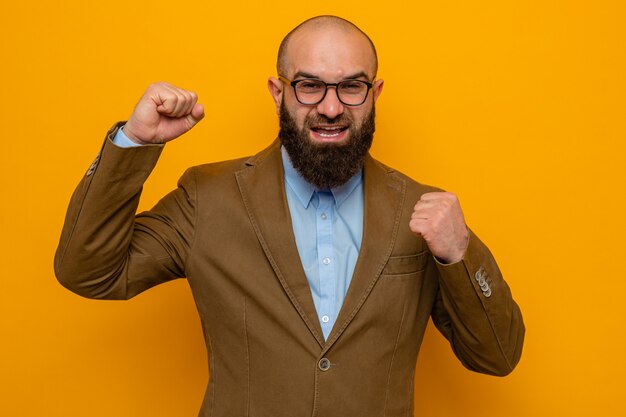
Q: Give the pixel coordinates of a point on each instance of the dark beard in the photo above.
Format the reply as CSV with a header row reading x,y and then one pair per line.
x,y
326,165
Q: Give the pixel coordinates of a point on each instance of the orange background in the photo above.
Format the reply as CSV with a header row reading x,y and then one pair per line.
x,y
517,106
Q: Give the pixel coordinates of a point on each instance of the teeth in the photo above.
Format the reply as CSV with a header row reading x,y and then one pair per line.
x,y
329,131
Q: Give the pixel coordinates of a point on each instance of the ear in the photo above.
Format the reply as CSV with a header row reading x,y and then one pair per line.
x,y
276,87
377,88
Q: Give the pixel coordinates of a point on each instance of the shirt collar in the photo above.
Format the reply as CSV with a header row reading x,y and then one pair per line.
x,y
304,190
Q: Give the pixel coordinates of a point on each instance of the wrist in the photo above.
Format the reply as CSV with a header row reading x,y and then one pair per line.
x,y
128,133
458,254
122,140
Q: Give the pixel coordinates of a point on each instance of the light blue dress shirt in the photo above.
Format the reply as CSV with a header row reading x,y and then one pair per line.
x,y
328,228
122,140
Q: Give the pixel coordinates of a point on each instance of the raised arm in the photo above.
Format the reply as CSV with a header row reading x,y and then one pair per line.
x,y
104,250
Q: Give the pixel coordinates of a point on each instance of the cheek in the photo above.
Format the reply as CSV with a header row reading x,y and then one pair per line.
x,y
357,115
302,116
366,111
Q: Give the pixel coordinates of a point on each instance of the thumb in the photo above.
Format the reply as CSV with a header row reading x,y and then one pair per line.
x,y
197,114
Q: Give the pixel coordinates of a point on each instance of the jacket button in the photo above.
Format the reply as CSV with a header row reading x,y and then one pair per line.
x,y
324,364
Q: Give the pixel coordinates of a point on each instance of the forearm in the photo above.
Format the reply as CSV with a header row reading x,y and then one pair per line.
x,y
94,245
477,313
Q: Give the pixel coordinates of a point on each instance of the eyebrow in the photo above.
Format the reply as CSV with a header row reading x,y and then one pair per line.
x,y
357,75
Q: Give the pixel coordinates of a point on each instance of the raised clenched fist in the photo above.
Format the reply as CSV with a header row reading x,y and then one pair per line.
x,y
438,219
163,113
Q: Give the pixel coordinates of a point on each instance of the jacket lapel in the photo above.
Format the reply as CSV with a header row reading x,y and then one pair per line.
x,y
262,188
384,198
261,185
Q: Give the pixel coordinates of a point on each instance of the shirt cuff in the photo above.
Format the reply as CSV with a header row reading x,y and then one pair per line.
x,y
122,140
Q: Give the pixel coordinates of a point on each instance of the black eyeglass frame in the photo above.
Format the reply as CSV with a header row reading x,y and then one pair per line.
x,y
326,85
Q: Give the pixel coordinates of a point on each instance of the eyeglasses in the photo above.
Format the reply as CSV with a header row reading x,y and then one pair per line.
x,y
311,91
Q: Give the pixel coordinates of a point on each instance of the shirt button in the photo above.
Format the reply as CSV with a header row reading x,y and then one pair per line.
x,y
325,319
324,364
323,216
326,261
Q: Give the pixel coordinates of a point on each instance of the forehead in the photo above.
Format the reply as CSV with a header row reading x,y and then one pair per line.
x,y
329,53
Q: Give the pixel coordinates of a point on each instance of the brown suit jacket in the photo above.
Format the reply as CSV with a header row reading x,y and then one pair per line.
x,y
227,229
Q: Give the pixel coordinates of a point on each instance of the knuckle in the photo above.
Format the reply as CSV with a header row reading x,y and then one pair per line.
x,y
171,103
448,196
157,85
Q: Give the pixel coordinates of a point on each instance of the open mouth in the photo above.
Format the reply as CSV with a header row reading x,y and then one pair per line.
x,y
329,133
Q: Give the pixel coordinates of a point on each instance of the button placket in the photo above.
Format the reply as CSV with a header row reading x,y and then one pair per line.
x,y
325,253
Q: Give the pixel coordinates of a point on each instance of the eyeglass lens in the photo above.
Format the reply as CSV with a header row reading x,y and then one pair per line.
x,y
350,92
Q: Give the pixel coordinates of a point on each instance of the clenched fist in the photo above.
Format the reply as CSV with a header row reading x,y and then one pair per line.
x,y
163,113
438,219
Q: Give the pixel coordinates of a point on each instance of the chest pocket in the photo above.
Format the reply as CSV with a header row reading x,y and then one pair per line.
x,y
406,265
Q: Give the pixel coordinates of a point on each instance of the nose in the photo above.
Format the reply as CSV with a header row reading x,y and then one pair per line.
x,y
330,107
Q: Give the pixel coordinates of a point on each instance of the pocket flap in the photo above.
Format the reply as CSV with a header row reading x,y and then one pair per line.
x,y
406,264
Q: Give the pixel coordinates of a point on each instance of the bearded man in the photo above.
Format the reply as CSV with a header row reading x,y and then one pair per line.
x,y
314,267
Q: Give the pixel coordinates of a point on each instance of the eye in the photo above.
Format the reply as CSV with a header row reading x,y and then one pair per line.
x,y
352,86
310,86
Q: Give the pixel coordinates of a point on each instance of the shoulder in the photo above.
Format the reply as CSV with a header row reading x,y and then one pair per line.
x,y
218,169
225,172
413,187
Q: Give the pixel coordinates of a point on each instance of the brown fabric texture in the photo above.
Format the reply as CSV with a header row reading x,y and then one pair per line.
x,y
227,229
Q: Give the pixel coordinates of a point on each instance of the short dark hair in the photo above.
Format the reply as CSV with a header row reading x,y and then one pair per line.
x,y
324,20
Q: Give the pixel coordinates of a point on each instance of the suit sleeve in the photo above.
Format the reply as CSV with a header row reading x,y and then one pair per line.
x,y
108,252
475,311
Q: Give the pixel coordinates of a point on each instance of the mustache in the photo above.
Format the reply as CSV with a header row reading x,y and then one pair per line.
x,y
322,119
